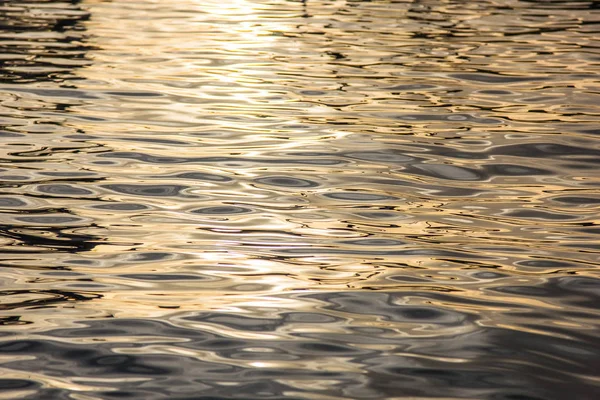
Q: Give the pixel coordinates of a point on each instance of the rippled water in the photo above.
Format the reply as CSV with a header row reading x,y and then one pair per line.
x,y
315,199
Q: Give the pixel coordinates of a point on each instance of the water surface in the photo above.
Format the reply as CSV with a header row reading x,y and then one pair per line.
x,y
299,199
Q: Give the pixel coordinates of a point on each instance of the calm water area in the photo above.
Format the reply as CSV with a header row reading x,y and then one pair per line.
x,y
299,200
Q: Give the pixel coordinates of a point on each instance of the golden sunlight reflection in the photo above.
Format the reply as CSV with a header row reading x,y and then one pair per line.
x,y
298,199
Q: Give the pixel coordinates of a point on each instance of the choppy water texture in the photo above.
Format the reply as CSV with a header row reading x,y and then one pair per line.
x,y
279,199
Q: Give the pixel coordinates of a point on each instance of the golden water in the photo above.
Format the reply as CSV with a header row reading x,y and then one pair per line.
x,y
299,200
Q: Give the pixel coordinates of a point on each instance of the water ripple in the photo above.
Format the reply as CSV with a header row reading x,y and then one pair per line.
x,y
299,199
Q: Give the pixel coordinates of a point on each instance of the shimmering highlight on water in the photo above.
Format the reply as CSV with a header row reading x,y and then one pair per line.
x,y
299,199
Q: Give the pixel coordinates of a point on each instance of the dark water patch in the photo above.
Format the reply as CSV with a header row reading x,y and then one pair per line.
x,y
17,384
386,373
382,156
201,176
514,170
590,231
5,134
11,202
50,220
239,322
488,275
64,190
129,327
496,92
541,215
121,207
287,181
496,79
376,215
541,263
576,200
135,94
547,150
222,210
579,293
450,172
164,190
67,93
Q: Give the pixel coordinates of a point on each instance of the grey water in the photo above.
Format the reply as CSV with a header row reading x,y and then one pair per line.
x,y
321,199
